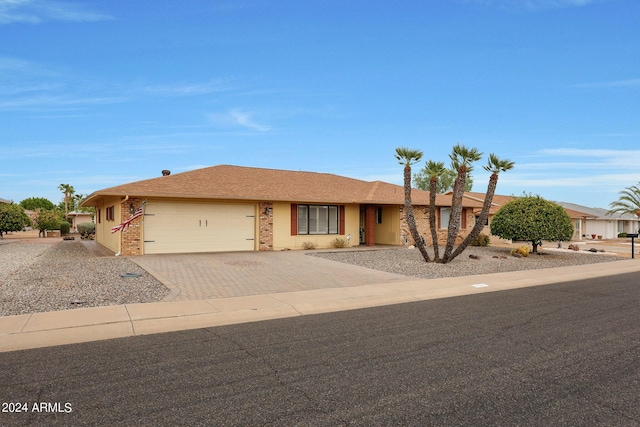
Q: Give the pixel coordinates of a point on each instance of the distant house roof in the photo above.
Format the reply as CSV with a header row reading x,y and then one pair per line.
x,y
596,212
227,182
75,213
574,211
5,201
496,203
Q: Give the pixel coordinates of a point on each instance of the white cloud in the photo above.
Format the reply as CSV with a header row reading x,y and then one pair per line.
x,y
602,157
37,11
187,89
51,102
237,117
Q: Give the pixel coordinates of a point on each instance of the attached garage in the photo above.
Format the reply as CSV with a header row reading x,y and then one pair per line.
x,y
179,227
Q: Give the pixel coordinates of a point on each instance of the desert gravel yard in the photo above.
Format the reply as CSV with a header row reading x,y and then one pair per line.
x,y
409,262
39,277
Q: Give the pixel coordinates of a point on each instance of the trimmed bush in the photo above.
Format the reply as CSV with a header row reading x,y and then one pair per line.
x,y
622,235
87,230
481,240
64,227
339,242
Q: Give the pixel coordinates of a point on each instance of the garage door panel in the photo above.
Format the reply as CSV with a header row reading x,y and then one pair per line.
x,y
198,227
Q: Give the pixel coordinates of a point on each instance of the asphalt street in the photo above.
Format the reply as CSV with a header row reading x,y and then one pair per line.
x,y
564,354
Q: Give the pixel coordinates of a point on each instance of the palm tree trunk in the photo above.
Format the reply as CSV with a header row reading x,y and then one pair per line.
x,y
484,214
410,217
432,218
456,212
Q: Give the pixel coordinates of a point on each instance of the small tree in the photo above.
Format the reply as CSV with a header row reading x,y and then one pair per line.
x,y
33,203
532,218
422,180
12,218
46,220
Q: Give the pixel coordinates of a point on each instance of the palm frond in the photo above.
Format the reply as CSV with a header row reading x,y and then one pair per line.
x,y
407,156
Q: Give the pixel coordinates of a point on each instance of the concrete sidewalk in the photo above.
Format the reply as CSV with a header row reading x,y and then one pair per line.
x,y
99,323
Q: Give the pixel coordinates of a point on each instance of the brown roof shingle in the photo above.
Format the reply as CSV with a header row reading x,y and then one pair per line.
x,y
247,183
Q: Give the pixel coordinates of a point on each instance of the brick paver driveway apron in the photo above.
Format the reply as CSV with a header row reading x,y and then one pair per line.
x,y
232,274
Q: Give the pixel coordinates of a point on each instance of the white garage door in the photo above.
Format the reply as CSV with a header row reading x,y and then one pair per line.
x,y
173,227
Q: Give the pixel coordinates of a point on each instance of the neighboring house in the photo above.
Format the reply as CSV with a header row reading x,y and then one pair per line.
x,y
5,201
233,208
597,223
78,217
586,221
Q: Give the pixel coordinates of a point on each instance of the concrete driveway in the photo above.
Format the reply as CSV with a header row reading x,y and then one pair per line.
x,y
233,274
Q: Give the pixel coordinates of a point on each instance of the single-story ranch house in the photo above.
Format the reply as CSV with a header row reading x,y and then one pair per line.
x,y
234,208
79,217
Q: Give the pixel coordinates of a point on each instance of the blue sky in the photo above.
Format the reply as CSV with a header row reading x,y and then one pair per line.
x,y
100,93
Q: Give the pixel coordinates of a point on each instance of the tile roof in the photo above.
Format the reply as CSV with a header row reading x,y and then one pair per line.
x,y
227,182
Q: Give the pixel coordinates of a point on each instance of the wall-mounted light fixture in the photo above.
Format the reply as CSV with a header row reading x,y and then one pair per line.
x,y
267,210
132,208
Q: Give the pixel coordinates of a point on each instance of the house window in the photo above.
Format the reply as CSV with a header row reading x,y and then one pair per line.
x,y
110,213
486,221
317,219
378,215
445,215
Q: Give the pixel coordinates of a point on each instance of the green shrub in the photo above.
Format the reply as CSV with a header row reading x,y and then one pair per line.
x,y
308,245
64,227
87,230
481,240
622,235
339,242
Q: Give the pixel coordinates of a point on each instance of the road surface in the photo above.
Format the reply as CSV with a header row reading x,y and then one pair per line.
x,y
564,354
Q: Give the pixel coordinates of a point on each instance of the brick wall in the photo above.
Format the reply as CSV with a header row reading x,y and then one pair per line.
x,y
131,238
421,213
265,226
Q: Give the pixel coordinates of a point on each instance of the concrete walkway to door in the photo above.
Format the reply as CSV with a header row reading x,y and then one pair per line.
x,y
200,276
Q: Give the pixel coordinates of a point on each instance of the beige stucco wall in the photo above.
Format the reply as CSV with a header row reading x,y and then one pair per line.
x,y
388,232
282,238
103,227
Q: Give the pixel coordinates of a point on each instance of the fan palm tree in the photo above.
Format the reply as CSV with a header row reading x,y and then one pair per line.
x,y
68,191
629,202
434,170
77,199
461,159
494,165
407,157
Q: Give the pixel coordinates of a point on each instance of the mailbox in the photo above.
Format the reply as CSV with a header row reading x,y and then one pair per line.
x,y
633,236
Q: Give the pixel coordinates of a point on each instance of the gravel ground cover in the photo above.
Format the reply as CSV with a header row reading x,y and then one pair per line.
x,y
409,262
37,277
